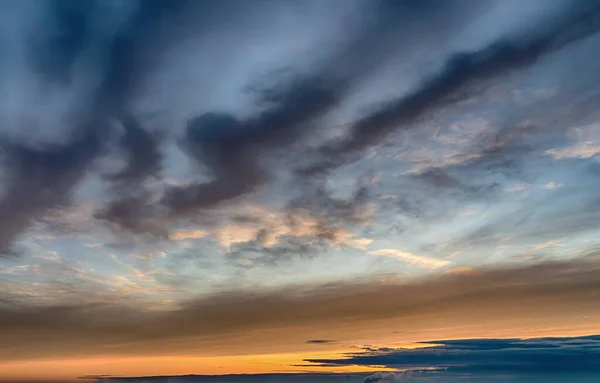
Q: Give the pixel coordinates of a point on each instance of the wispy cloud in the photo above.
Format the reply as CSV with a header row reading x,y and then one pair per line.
x,y
551,185
580,150
419,260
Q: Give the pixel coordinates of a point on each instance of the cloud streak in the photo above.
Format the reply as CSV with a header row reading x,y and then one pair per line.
x,y
92,329
419,260
460,74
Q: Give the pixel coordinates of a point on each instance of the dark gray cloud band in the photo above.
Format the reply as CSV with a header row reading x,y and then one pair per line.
x,y
462,76
95,325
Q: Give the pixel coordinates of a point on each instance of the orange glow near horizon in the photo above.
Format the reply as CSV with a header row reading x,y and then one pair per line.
x,y
64,370
48,369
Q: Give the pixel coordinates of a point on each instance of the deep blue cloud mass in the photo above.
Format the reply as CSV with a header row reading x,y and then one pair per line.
x,y
503,356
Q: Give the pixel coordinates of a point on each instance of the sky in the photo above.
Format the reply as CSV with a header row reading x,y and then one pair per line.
x,y
299,191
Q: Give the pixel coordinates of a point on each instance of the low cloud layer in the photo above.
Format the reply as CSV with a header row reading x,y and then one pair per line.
x,y
495,356
541,292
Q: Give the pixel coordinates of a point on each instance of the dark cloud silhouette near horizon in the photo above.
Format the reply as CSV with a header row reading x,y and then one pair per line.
x,y
508,356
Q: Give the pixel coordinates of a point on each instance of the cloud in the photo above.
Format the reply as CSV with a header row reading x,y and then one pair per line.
x,y
232,149
551,185
133,212
40,179
542,291
142,152
387,376
187,234
320,341
518,188
545,245
459,77
419,260
109,67
537,355
56,169
268,227
579,150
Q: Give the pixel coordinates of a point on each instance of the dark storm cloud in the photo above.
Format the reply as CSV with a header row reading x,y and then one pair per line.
x,y
462,77
141,151
131,208
234,150
540,355
133,212
130,57
231,149
540,292
40,176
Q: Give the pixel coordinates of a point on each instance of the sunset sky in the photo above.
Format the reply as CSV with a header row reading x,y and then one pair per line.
x,y
341,190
